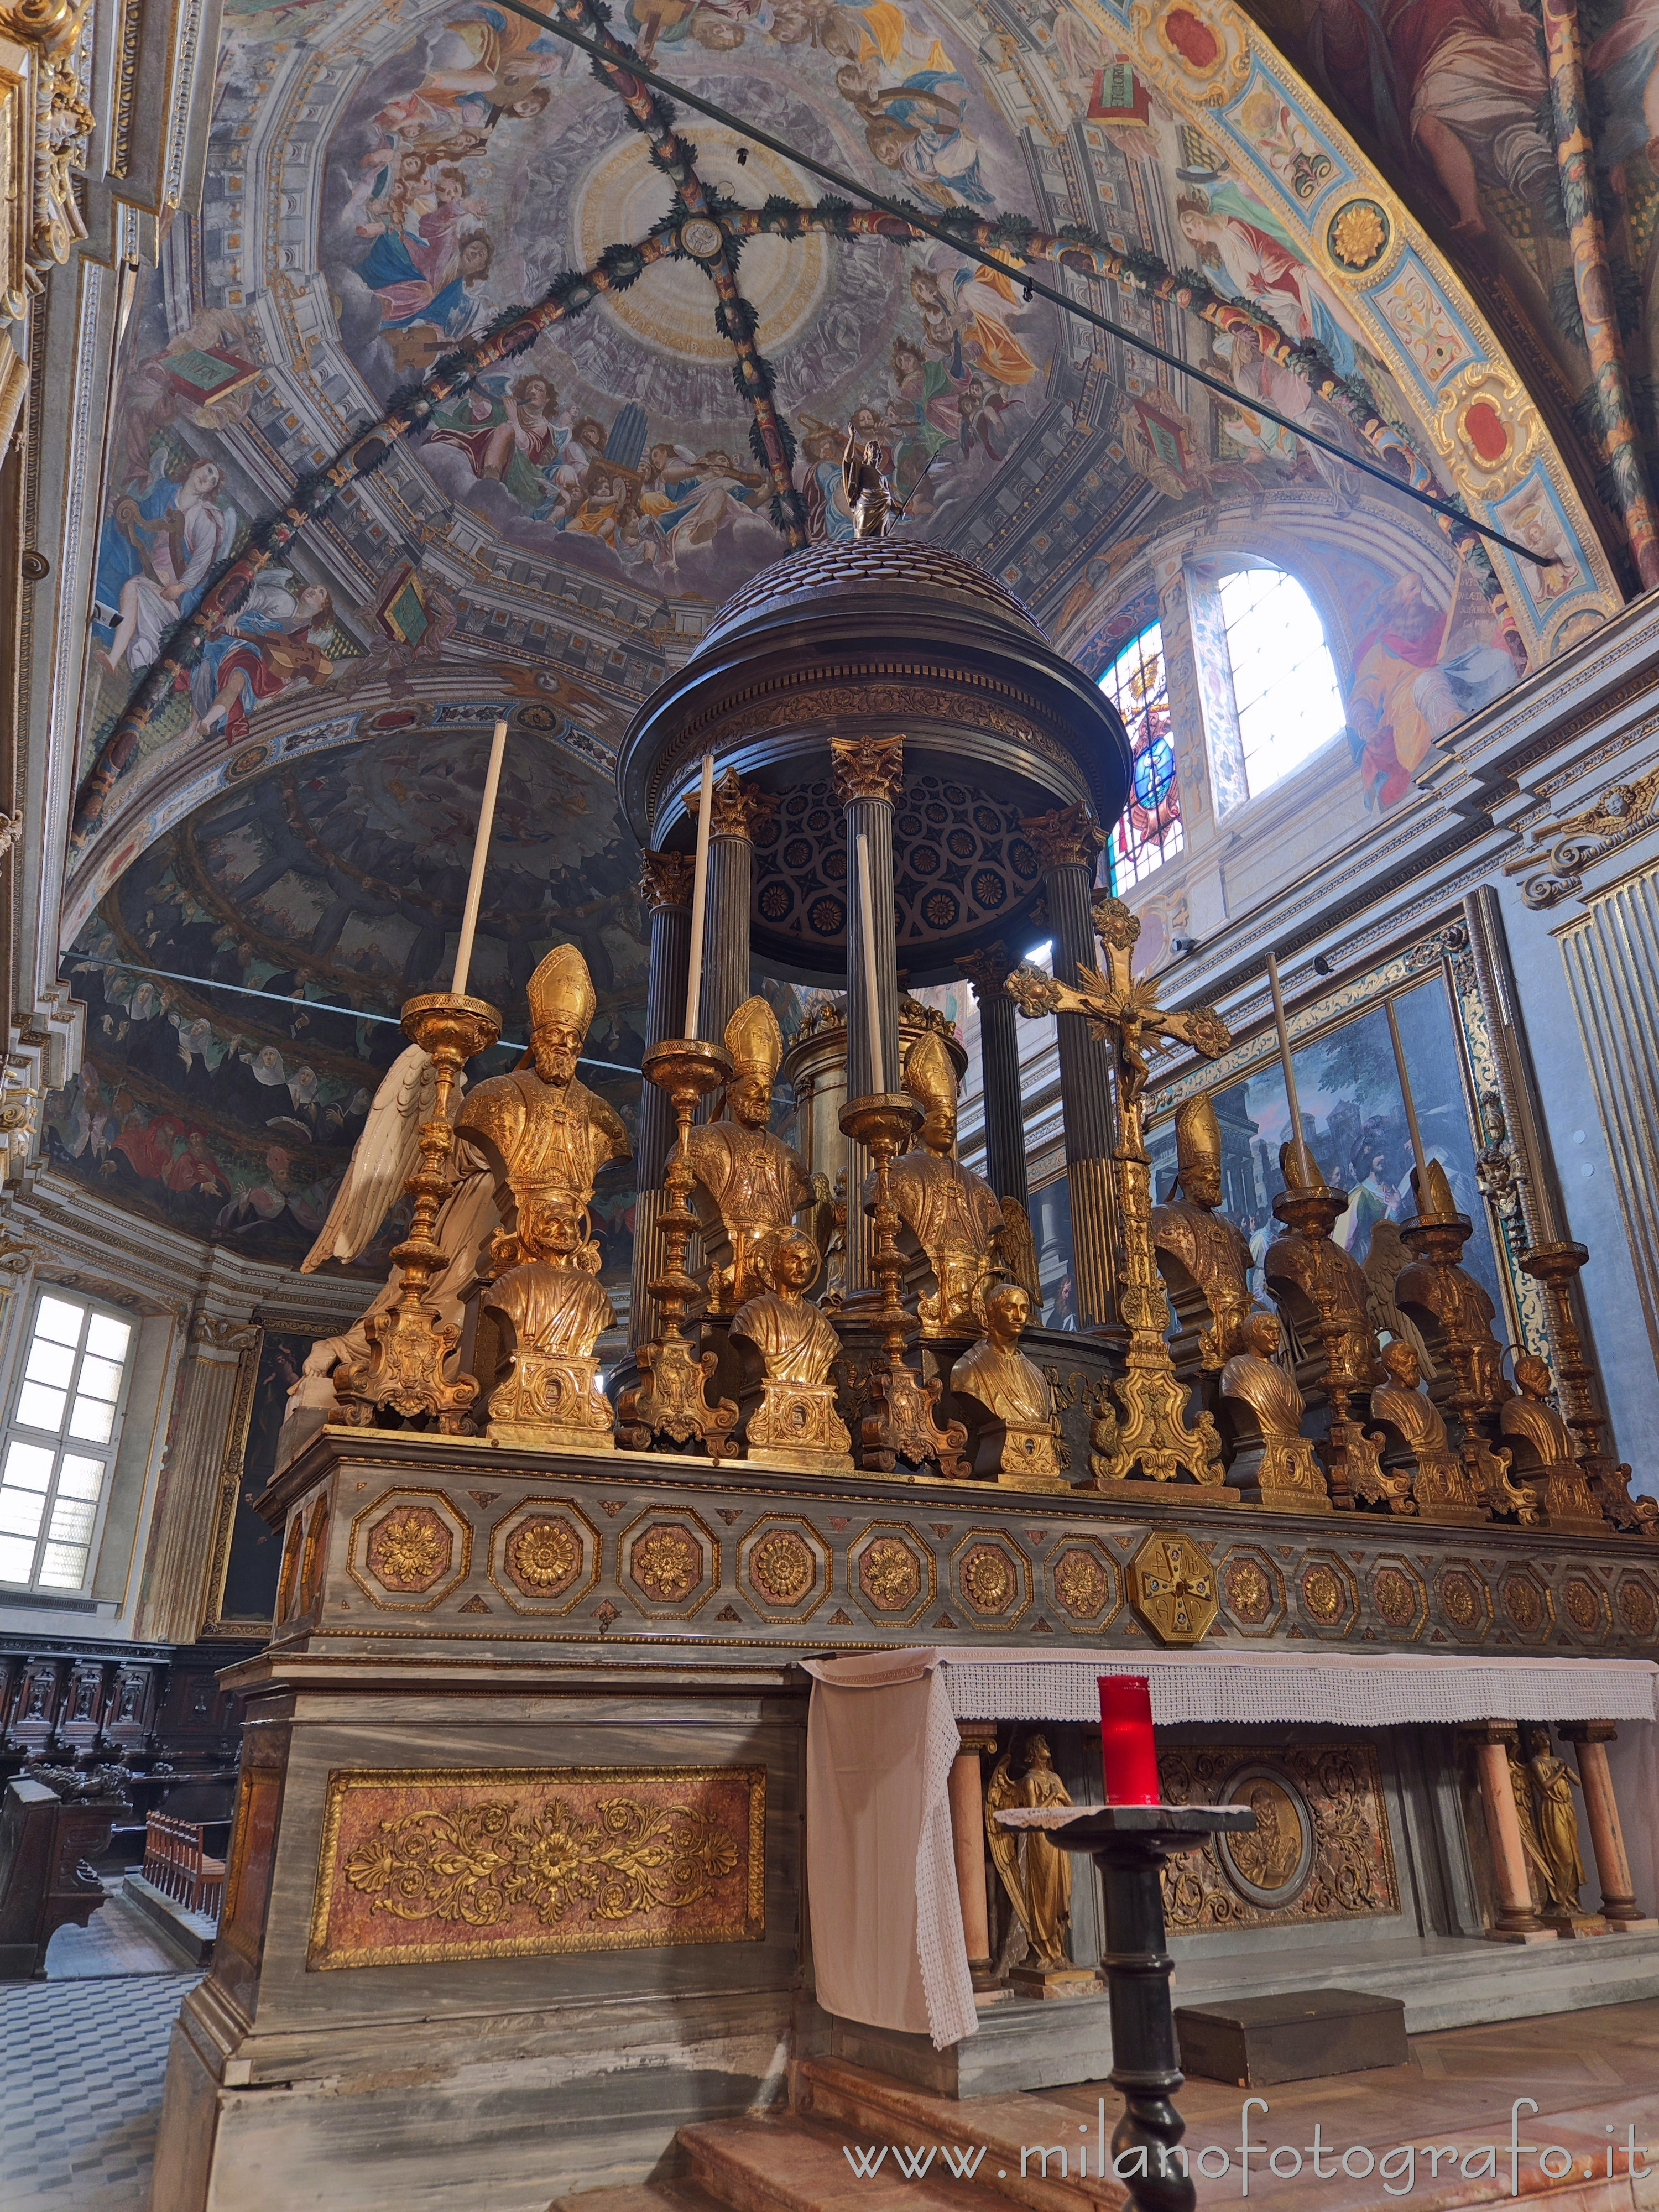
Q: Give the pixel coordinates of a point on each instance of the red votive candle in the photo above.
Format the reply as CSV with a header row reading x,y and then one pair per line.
x,y
1129,1753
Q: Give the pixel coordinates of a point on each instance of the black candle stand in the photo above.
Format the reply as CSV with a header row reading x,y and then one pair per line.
x,y
1129,1844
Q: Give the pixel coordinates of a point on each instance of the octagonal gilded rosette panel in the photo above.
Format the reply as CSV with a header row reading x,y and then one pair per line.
x,y
784,1568
890,1573
1085,1585
668,1563
409,1550
1252,1591
544,1556
991,1578
1464,1600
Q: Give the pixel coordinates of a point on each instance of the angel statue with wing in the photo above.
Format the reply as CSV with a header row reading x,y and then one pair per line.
x,y
533,1135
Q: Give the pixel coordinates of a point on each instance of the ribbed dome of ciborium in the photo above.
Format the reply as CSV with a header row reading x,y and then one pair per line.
x,y
883,639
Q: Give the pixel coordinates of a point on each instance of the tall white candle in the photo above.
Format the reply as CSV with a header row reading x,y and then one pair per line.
x,y
867,934
1290,1072
699,898
480,854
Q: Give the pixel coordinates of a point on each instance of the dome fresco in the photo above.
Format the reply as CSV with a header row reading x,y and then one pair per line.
x,y
554,535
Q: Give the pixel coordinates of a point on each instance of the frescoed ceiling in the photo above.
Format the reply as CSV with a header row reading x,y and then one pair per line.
x,y
473,386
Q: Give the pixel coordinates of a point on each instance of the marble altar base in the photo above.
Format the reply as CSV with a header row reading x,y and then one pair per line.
x,y
490,1644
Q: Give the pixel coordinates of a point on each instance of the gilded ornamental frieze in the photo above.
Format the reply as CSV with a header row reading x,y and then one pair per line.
x,y
637,1549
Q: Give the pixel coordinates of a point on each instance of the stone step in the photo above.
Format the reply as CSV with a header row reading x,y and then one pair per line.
x,y
1445,1983
866,2107
789,2165
647,2196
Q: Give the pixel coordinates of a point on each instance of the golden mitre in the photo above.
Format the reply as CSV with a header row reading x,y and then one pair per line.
x,y
1290,1167
1198,1135
560,992
929,1077
755,1040
1437,1204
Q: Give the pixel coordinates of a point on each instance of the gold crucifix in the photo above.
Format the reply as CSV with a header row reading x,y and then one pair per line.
x,y
1150,1431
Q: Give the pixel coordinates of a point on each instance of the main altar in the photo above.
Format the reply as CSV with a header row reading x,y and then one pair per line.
x,y
516,1884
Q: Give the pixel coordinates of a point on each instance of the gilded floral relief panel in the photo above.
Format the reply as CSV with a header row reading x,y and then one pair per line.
x,y
419,1867
1320,1850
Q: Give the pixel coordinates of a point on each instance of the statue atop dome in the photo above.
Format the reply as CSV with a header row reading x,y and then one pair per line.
x,y
869,495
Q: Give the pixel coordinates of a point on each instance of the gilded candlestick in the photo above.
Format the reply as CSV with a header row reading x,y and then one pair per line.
x,y
901,1424
671,1399
409,1340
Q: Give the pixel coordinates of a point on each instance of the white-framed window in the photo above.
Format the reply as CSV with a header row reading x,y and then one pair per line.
x,y
60,1442
1284,689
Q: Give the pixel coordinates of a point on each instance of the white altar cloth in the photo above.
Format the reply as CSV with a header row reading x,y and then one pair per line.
x,y
888,1947
1340,1689
887,1938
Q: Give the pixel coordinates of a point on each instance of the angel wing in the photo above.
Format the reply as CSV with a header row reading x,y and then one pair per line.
x,y
1002,1792
381,1160
1386,1253
817,1216
1019,1254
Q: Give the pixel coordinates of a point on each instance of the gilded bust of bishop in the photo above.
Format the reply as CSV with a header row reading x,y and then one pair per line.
x,y
545,1136
749,1183
1198,1247
953,1215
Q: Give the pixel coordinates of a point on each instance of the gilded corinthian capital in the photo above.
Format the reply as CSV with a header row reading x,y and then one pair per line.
x,y
1068,838
739,809
665,879
867,767
987,971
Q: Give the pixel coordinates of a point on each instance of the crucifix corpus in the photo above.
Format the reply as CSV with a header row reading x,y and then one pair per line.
x,y
1150,1432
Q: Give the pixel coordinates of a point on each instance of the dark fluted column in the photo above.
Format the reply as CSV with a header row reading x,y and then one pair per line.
x,y
869,773
665,894
998,1063
1069,843
739,809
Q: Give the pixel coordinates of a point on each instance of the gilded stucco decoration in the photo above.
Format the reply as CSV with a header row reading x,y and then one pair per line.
x,y
669,1563
891,1572
1559,848
417,1868
783,1566
1084,1583
991,1577
1465,1603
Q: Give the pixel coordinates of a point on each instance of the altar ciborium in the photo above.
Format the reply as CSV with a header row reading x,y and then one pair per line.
x,y
1129,1844
902,1423
410,1341
671,1399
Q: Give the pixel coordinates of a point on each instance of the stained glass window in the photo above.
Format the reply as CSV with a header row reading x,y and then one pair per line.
x,y
1149,831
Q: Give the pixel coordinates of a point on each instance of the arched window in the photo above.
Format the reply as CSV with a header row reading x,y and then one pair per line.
x,y
1285,690
1149,832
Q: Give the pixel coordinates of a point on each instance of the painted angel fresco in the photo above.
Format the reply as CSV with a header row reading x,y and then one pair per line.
x,y
1418,670
1460,83
268,643
156,555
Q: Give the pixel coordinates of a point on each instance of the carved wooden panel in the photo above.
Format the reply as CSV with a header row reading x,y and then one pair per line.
x,y
1320,1848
